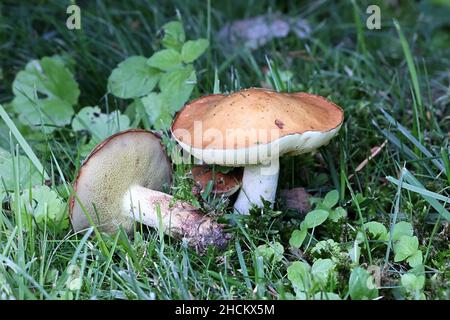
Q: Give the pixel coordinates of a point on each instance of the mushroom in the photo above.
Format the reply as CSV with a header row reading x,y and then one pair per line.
x,y
120,182
253,128
224,184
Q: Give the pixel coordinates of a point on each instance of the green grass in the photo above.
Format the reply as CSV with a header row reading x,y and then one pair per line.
x,y
392,83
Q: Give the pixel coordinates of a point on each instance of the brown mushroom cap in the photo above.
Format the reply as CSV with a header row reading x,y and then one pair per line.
x,y
224,184
251,118
129,158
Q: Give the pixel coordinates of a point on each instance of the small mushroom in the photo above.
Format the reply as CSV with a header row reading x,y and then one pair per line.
x,y
253,128
120,182
224,184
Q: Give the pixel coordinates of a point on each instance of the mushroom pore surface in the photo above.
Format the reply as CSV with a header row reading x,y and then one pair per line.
x,y
130,158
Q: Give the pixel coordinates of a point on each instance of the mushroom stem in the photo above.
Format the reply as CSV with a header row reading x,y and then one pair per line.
x,y
178,219
258,181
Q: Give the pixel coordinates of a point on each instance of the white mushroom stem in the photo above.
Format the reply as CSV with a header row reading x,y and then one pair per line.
x,y
178,219
258,181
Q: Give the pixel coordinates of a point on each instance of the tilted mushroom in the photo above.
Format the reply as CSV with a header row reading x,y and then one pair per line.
x,y
224,184
120,182
253,128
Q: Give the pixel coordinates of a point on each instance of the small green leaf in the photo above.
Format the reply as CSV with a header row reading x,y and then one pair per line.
x,y
315,218
157,110
166,60
297,238
331,199
176,86
271,253
98,124
133,78
174,35
361,285
406,247
415,259
338,214
193,49
322,270
412,282
402,228
376,230
299,275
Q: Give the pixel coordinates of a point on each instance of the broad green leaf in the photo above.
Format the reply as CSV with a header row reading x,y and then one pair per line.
x,y
315,218
361,285
322,270
176,86
193,49
299,275
43,113
174,35
166,60
157,110
406,247
98,124
45,93
49,77
46,207
402,228
28,175
133,78
331,199
297,238
377,230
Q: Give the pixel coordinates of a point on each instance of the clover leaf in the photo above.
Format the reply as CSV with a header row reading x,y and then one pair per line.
x,y
316,218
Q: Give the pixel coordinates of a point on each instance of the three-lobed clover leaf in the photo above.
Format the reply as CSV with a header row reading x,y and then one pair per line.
x,y
407,248
402,228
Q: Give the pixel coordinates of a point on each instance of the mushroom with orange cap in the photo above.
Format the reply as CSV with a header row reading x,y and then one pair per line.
x,y
253,128
120,182
223,184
